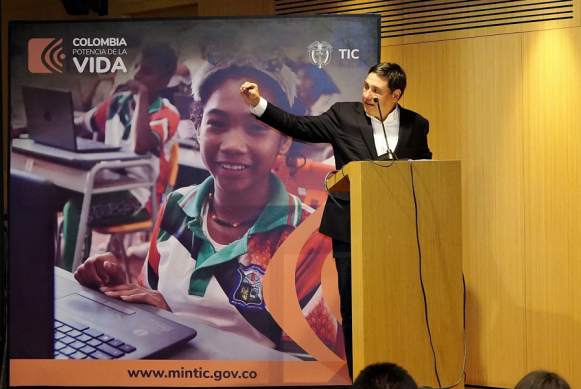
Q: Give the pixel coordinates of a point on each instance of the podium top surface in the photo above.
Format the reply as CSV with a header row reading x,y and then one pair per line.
x,y
340,181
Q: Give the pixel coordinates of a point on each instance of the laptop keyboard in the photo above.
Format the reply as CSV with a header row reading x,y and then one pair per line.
x,y
90,144
74,340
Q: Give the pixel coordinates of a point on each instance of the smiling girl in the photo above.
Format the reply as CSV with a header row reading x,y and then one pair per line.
x,y
213,242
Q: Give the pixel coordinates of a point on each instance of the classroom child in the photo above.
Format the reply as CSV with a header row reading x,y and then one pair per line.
x,y
138,120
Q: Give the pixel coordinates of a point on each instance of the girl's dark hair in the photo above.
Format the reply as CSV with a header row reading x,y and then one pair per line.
x,y
215,80
540,379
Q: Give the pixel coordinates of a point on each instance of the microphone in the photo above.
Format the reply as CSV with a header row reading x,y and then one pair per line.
x,y
389,156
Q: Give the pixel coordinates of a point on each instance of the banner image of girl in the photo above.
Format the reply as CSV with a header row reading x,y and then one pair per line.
x,y
213,242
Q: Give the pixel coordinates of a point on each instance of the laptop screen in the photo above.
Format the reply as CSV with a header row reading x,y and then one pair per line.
x,y
49,117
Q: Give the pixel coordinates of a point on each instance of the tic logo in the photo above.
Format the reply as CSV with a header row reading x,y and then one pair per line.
x,y
45,55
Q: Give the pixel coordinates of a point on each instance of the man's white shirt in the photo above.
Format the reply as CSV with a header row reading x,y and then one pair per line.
x,y
391,124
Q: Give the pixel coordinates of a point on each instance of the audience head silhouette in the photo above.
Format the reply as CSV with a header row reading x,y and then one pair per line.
x,y
540,379
384,376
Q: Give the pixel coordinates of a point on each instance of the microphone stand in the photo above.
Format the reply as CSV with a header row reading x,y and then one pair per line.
x,y
389,156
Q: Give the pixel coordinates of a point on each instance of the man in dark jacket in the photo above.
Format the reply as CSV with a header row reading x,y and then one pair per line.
x,y
355,131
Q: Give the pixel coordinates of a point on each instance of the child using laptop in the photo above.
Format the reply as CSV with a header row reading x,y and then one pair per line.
x,y
138,120
213,242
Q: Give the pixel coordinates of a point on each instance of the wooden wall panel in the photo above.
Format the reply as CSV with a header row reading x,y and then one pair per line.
x,y
392,54
190,10
436,20
236,7
471,32
471,91
552,185
507,107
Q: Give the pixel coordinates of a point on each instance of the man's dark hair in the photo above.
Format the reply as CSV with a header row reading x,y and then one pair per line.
x,y
540,379
384,376
395,75
163,55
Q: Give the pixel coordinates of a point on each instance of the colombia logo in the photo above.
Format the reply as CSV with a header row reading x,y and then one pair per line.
x,y
45,55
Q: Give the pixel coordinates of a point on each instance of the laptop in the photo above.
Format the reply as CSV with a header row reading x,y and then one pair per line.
x,y
90,325
49,121
54,316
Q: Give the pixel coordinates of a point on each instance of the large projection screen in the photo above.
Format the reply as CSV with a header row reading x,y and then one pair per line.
x,y
257,282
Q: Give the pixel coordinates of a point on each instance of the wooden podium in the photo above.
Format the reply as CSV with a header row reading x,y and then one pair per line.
x,y
389,323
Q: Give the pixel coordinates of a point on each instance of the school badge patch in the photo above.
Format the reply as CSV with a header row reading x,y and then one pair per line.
x,y
247,294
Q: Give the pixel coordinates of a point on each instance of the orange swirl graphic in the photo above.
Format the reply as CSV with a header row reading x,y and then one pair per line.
x,y
280,296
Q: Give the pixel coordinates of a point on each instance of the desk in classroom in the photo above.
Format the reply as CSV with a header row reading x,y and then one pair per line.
x,y
189,155
79,172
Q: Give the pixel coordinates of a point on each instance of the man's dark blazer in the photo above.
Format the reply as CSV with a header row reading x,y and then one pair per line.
x,y
348,129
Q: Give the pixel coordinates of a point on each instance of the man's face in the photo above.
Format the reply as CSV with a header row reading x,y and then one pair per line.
x,y
238,150
376,87
149,75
